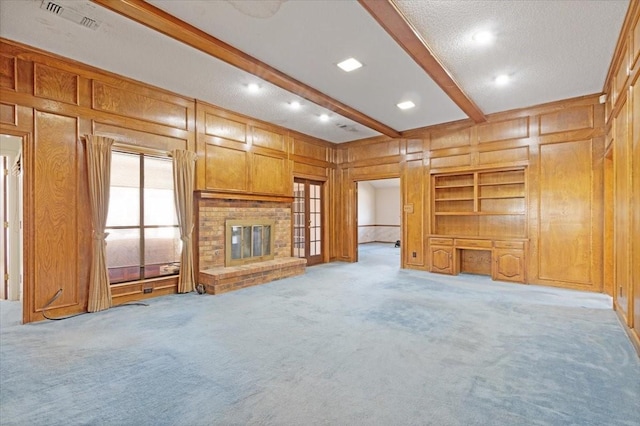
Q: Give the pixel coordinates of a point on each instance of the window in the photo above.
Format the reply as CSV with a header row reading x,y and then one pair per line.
x,y
144,238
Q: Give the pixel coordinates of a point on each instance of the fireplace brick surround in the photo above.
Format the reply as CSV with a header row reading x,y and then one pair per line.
x,y
213,274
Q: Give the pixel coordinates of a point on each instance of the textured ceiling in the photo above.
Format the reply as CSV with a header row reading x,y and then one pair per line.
x,y
552,50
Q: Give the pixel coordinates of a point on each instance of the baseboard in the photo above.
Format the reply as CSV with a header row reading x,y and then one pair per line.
x,y
635,339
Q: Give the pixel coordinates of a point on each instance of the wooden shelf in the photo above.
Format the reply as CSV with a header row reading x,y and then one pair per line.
x,y
484,202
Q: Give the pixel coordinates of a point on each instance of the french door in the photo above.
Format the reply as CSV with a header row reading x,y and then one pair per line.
x,y
307,220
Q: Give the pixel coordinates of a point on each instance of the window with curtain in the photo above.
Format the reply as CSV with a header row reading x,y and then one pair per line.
x,y
144,238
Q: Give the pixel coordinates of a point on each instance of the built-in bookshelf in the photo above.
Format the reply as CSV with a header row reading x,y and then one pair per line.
x,y
487,203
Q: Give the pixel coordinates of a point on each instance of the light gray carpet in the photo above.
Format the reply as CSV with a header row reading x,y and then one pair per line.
x,y
345,344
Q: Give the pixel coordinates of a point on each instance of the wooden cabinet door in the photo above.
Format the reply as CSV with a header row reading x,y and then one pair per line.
x,y
442,259
509,265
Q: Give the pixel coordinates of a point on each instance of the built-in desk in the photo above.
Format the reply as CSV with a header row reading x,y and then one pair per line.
x,y
502,259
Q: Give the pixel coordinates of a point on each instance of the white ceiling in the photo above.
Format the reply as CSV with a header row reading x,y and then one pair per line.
x,y
552,50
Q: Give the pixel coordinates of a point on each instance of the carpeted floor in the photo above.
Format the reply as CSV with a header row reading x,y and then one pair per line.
x,y
344,344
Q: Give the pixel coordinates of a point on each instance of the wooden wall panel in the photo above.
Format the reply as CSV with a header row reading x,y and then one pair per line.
x,y
131,104
565,213
635,201
51,83
451,139
308,170
620,79
137,138
267,139
635,41
226,169
451,161
415,146
622,206
225,128
309,150
56,203
8,114
374,150
8,75
504,156
270,175
566,120
509,129
413,244
381,171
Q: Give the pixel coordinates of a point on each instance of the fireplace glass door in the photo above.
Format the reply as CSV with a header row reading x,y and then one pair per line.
x,y
307,215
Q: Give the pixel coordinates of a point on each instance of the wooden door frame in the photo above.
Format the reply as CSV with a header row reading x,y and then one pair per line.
x,y
324,205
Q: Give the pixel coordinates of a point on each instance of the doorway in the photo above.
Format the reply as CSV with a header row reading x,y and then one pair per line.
x,y
379,217
11,217
307,220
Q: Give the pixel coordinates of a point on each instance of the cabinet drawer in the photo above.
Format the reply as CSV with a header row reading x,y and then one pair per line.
x,y
474,243
509,244
441,241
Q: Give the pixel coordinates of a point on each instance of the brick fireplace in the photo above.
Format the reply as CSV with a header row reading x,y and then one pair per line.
x,y
213,214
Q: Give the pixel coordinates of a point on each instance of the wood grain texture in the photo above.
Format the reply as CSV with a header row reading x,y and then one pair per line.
x,y
442,259
225,128
565,213
509,265
127,103
51,83
55,194
503,156
269,175
268,139
504,130
226,169
376,150
414,193
8,114
566,120
450,139
136,138
451,161
307,150
475,261
623,212
8,74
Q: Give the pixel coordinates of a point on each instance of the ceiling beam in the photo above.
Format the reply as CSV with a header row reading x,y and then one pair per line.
x,y
394,22
159,20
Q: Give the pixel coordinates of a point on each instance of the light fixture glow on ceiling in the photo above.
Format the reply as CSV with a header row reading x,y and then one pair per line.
x,y
482,37
406,105
253,87
350,64
324,117
502,79
294,104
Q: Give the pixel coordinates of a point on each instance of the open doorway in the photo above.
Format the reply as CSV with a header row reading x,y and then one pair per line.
x,y
379,220
11,217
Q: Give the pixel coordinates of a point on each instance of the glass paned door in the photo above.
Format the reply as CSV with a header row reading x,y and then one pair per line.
x,y
307,220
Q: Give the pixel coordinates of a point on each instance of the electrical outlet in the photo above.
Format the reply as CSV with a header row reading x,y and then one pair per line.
x,y
147,290
414,254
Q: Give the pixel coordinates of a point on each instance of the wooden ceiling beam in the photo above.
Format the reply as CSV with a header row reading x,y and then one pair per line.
x,y
159,20
397,26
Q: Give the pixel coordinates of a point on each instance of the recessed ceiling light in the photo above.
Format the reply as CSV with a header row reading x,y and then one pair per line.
x,y
294,104
253,87
324,117
483,37
350,64
502,79
406,105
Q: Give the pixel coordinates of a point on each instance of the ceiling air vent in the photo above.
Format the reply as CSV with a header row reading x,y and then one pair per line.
x,y
70,14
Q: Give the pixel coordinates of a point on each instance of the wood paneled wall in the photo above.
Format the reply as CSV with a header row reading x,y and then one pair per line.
x,y
622,239
51,102
560,144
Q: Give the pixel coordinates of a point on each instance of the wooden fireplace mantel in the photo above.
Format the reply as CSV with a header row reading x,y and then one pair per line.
x,y
211,195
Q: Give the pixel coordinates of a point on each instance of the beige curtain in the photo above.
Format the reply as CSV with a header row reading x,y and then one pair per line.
x,y
183,177
99,169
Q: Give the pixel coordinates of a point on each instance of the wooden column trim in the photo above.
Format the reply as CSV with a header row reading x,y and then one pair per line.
x,y
398,27
159,20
